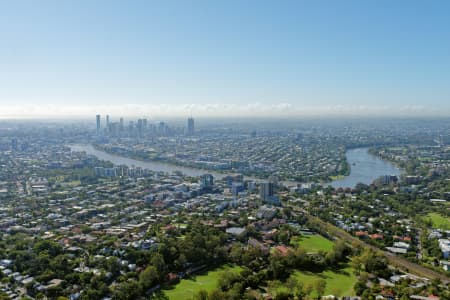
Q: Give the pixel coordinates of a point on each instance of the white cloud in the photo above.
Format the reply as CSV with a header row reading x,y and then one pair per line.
x,y
255,109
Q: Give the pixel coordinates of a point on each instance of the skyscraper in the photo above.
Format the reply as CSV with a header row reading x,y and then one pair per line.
x,y
190,126
206,181
145,123
107,123
140,127
98,124
121,126
266,191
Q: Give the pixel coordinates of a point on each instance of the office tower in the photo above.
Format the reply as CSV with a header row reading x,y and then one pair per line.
x,y
162,128
140,127
206,181
107,124
98,124
130,127
266,191
190,126
145,124
233,178
121,126
236,188
113,129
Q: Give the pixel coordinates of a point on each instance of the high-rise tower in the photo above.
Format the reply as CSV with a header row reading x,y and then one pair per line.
x,y
266,190
190,126
97,117
121,126
107,123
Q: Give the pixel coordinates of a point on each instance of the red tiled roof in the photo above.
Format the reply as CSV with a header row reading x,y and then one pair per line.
x,y
172,276
283,250
376,236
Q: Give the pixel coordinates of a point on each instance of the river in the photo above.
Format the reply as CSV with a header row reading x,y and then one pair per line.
x,y
151,165
365,168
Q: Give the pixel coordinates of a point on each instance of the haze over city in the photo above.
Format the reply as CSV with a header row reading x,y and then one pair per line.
x,y
259,58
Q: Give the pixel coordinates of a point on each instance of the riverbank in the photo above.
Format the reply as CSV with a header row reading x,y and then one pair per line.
x,y
173,163
258,176
365,168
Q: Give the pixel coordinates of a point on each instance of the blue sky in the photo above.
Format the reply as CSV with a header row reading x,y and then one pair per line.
x,y
224,57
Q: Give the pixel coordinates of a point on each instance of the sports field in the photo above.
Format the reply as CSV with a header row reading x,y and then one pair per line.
x,y
186,288
313,243
438,221
339,283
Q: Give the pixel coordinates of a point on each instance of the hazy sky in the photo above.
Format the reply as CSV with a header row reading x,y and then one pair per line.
x,y
224,57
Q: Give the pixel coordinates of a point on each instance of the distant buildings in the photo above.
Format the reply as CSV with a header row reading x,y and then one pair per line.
x,y
266,212
206,181
229,179
266,190
97,117
141,128
267,193
121,126
444,244
105,172
190,126
386,180
236,188
236,231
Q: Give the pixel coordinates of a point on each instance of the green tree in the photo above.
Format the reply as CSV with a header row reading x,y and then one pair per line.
x,y
227,279
201,295
308,289
283,295
320,286
148,278
216,294
158,262
128,290
291,284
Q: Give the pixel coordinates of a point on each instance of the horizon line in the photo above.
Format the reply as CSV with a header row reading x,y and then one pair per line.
x,y
250,110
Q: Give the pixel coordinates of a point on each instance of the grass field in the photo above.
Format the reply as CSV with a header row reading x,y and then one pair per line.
x,y
313,243
339,283
206,281
438,221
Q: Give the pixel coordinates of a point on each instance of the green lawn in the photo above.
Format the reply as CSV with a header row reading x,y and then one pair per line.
x,y
438,221
339,283
313,243
207,281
